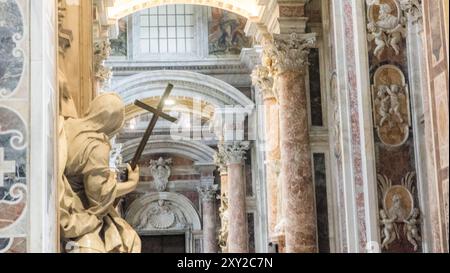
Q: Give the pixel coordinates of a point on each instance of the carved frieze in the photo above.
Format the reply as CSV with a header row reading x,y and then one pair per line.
x,y
391,108
386,26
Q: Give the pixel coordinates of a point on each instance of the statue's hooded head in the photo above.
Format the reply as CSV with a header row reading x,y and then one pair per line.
x,y
106,114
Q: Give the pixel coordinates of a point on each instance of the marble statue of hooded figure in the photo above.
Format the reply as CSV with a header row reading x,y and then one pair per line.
x,y
88,188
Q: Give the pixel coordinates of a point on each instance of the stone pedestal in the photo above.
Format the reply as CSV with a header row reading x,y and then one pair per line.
x,y
208,197
234,155
288,55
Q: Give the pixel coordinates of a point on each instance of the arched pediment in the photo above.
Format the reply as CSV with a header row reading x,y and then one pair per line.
x,y
196,151
163,211
187,84
247,8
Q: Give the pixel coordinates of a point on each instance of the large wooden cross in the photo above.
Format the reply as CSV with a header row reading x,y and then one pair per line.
x,y
158,112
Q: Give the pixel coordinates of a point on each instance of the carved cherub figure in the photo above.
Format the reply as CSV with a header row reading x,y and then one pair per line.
x,y
389,233
394,94
387,30
411,229
383,100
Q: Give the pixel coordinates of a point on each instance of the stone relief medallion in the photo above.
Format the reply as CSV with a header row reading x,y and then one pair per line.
x,y
399,218
386,25
398,203
11,56
391,106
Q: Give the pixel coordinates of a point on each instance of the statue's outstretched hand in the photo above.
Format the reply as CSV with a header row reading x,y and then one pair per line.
x,y
131,184
133,175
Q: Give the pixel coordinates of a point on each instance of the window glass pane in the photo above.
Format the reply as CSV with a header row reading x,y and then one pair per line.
x,y
171,20
162,20
162,32
189,9
144,46
189,45
152,11
162,9
144,32
189,32
163,45
180,9
170,9
180,20
172,32
181,45
154,48
144,12
153,32
180,32
153,21
172,45
189,20
144,21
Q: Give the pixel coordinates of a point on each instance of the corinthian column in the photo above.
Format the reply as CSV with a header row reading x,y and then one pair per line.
x,y
263,81
234,154
288,58
208,197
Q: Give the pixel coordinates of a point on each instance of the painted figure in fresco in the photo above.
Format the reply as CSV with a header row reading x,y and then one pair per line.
x,y
397,211
389,233
411,229
226,34
87,186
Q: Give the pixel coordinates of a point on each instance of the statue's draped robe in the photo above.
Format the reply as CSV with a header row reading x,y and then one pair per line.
x,y
87,186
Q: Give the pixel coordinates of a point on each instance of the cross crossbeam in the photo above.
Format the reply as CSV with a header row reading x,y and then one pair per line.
x,y
157,113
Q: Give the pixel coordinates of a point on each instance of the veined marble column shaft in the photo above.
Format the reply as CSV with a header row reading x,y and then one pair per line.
x,y
264,83
208,197
234,155
289,56
223,210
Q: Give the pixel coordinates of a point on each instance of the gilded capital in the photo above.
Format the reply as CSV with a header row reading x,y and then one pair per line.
x,y
288,52
233,152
